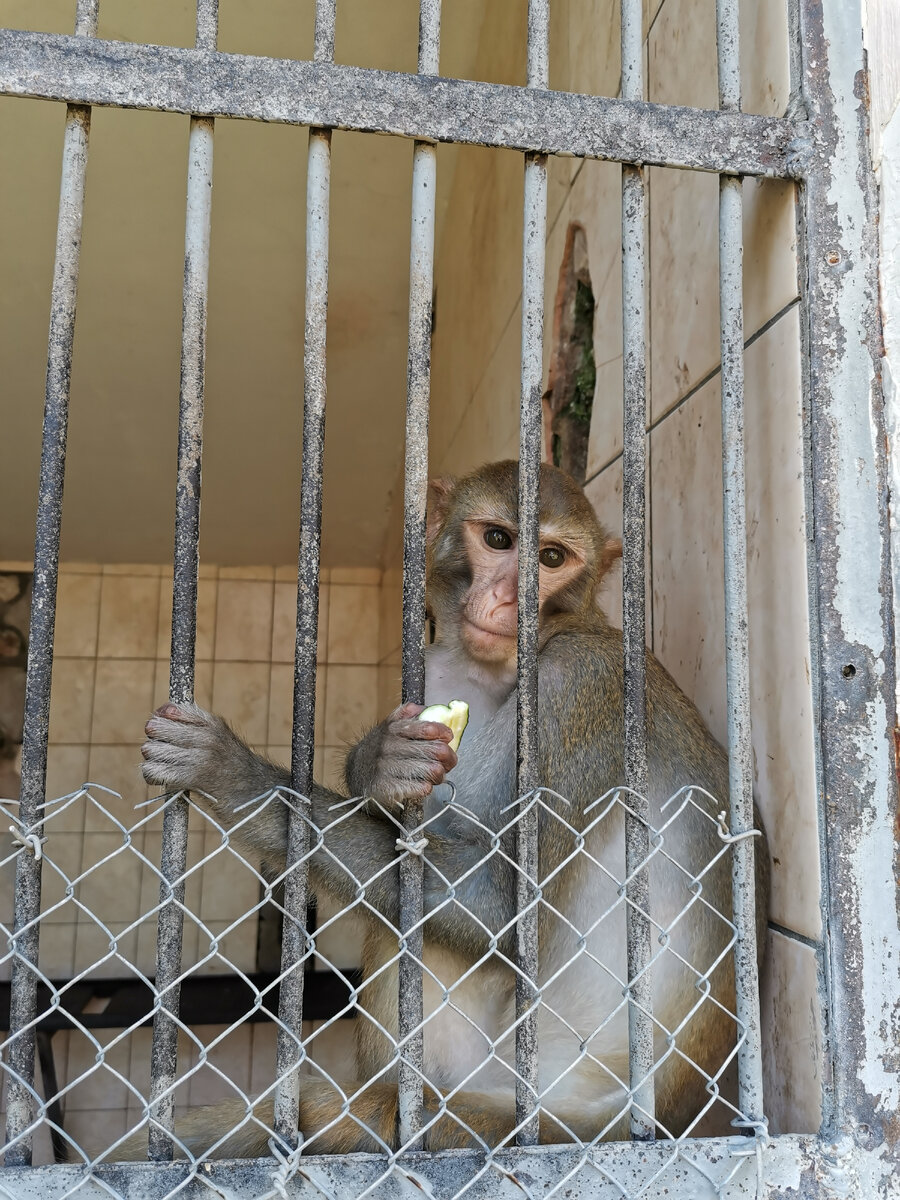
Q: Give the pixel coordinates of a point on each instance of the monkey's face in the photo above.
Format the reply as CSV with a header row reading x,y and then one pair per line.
x,y
489,607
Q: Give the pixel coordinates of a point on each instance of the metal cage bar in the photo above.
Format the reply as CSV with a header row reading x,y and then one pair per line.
x,y
528,750
637,830
294,938
24,978
418,386
737,647
169,79
173,856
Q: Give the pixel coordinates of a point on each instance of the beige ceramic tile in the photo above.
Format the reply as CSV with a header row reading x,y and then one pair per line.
x,y
117,768
350,702
333,1047
77,616
688,597
388,688
241,696
56,955
353,624
99,1090
684,204
359,575
11,564
93,948
244,621
261,572
288,574
148,880
67,770
64,853
341,943
71,700
686,525
203,677
281,704
109,881
229,888
262,1060
594,35
791,1037
284,622
605,442
95,1131
781,700
390,613
231,1056
132,569
123,700
206,618
765,63
236,949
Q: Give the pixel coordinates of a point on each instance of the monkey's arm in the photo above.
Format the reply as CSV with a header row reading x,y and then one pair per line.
x,y
190,749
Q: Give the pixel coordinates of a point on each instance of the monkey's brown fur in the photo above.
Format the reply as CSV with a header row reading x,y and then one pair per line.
x,y
581,757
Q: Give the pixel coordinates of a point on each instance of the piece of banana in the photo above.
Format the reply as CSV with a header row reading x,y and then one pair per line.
x,y
455,715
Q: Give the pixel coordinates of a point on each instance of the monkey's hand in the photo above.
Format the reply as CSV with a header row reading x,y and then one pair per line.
x,y
188,748
401,759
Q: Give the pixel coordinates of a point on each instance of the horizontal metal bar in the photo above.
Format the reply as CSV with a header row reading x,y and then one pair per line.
x,y
429,108
790,1166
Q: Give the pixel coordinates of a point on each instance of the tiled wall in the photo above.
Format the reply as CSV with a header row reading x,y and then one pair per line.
x,y
475,419
110,670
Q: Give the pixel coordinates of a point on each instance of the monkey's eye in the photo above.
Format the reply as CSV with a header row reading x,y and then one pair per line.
x,y
552,556
497,539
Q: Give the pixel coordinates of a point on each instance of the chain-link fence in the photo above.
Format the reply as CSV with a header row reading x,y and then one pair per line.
x,y
581,997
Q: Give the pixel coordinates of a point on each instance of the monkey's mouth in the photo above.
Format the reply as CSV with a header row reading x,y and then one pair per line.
x,y
504,632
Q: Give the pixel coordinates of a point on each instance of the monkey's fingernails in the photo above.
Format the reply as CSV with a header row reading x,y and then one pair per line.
x,y
170,711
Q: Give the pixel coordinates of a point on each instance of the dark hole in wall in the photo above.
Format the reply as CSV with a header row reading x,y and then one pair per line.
x,y
569,398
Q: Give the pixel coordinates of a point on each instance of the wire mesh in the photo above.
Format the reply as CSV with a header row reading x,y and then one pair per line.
x,y
469,1045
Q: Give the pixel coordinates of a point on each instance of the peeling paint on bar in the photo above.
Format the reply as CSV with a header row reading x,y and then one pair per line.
x,y
737,643
637,834
173,857
295,943
856,669
527,747
416,106
20,1096
418,392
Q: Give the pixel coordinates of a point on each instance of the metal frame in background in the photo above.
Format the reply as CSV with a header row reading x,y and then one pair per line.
x,y
828,154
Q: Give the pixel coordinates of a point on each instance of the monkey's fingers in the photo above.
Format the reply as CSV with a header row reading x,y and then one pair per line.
x,y
426,731
184,714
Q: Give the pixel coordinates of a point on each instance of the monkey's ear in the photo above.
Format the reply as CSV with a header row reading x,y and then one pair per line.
x,y
612,550
439,493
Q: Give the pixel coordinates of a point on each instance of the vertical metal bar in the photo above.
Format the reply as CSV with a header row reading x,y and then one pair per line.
x,y
418,387
737,661
528,750
289,1052
637,832
173,857
23,988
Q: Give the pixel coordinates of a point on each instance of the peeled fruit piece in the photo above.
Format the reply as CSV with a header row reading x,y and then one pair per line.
x,y
454,715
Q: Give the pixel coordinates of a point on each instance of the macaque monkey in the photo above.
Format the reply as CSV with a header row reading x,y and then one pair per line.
x,y
469,1045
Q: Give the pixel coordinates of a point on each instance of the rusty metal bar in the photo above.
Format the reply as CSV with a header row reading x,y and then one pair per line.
x,y
637,830
173,858
294,938
855,667
24,981
527,753
416,106
737,649
418,386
